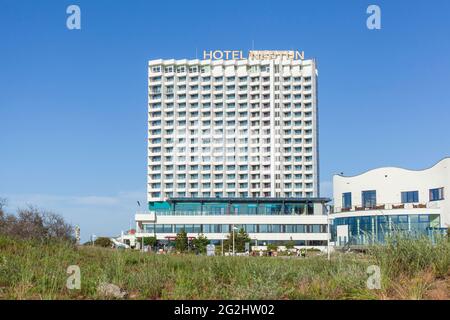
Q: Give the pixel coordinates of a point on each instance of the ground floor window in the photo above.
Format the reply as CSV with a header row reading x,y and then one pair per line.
x,y
227,228
369,229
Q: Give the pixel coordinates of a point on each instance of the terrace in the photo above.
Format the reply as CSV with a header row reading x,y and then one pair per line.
x,y
386,207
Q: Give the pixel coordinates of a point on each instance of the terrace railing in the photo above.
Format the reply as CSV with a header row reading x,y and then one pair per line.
x,y
387,206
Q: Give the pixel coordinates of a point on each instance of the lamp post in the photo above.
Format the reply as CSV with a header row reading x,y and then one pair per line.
x,y
233,239
328,232
138,229
234,228
221,229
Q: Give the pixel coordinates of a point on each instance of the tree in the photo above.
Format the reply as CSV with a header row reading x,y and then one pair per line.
x,y
200,243
240,238
290,244
103,242
32,223
2,205
57,227
181,241
272,247
2,213
150,241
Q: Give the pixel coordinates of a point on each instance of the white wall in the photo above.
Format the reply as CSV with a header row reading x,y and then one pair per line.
x,y
240,219
389,182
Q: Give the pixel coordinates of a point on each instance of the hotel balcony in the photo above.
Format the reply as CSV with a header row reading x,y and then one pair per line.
x,y
154,98
155,81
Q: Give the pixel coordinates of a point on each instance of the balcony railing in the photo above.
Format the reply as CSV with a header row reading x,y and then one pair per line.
x,y
387,206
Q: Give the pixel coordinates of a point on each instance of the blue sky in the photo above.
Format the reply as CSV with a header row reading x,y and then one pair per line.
x,y
73,103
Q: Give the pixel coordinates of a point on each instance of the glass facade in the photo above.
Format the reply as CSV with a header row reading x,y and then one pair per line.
x,y
364,230
227,228
233,208
313,243
254,218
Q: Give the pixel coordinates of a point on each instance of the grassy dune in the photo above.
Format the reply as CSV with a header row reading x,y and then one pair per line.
x,y
409,269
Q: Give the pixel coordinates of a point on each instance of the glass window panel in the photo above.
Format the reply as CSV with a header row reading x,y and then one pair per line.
x,y
437,194
276,228
149,228
347,200
410,196
179,227
369,198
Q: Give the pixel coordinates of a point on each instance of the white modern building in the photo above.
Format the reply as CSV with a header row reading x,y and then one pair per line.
x,y
369,206
266,220
233,141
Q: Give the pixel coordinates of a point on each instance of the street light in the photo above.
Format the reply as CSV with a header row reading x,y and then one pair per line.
x,y
221,229
139,228
328,232
234,228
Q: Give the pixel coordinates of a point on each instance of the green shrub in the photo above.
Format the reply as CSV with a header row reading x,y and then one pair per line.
x,y
406,255
240,239
181,241
200,243
103,242
150,241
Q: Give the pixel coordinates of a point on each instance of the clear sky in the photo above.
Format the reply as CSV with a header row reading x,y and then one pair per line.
x,y
73,104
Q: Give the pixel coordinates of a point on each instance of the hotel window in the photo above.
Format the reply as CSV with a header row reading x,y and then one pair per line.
x,y
252,69
193,69
181,69
204,69
436,194
156,69
168,69
369,199
347,200
266,68
410,196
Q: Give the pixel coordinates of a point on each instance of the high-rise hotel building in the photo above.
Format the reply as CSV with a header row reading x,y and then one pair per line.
x,y
230,134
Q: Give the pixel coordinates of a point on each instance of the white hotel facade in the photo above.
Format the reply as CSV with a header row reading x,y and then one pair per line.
x,y
234,143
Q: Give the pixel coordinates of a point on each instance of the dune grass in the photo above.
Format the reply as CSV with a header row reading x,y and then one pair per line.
x,y
35,270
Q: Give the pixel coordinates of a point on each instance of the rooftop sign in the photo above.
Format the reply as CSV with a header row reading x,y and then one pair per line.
x,y
253,55
270,54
